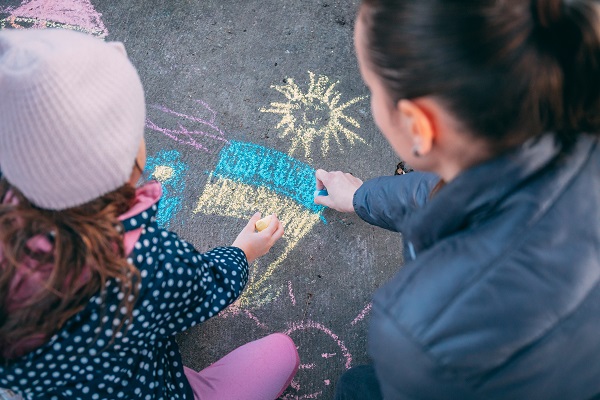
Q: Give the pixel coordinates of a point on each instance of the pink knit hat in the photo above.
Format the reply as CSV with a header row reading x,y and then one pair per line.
x,y
72,115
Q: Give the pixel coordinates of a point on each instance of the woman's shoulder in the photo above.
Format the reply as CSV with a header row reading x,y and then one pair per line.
x,y
494,290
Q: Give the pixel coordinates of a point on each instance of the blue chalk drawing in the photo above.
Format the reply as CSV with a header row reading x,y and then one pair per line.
x,y
256,165
167,168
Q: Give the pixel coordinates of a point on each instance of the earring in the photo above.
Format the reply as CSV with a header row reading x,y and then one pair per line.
x,y
415,151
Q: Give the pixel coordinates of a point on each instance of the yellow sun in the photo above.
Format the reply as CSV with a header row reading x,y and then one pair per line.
x,y
316,113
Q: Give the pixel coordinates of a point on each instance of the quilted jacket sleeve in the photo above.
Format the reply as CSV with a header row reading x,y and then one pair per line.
x,y
405,369
386,201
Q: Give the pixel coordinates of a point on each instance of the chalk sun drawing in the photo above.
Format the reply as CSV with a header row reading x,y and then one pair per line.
x,y
316,113
76,15
203,134
167,168
250,178
319,365
316,361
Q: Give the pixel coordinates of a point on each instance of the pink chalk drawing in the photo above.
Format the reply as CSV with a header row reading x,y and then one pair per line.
x,y
310,325
362,314
331,357
203,128
291,293
78,15
306,396
253,318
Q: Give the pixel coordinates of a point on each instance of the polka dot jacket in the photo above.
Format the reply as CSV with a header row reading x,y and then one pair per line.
x,y
180,288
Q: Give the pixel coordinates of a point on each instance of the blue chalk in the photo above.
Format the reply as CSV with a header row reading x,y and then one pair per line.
x,y
255,165
322,192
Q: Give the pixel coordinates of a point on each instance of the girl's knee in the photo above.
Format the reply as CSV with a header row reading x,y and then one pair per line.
x,y
285,346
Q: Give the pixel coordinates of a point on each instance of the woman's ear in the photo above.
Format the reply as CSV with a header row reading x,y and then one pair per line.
x,y
419,124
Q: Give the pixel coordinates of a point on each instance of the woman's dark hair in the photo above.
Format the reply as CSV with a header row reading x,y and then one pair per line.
x,y
508,70
87,252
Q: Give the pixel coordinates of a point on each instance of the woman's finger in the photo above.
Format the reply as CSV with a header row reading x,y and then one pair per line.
x,y
322,177
323,200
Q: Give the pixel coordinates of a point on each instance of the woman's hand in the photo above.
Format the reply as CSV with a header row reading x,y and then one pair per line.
x,y
257,244
340,188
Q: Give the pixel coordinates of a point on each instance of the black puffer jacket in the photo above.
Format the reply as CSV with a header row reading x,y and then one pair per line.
x,y
499,297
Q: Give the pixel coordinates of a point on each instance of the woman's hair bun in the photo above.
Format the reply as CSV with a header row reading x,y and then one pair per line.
x,y
548,13
570,31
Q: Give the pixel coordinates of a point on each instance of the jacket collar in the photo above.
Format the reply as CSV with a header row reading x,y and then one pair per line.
x,y
478,191
143,212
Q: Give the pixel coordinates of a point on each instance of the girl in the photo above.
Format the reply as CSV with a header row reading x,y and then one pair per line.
x,y
92,291
498,103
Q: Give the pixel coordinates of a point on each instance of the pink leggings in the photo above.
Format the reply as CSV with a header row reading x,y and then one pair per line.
x,y
259,370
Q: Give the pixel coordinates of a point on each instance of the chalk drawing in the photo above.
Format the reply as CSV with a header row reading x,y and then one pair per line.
x,y
205,129
332,357
317,326
291,293
250,178
362,314
167,168
314,114
76,15
295,384
255,319
335,359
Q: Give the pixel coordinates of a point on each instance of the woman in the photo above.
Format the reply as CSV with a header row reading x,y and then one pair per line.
x,y
497,103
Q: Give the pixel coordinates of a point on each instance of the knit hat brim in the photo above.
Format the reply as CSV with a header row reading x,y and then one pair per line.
x,y
72,115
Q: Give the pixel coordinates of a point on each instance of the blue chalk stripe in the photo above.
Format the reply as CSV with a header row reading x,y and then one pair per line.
x,y
172,188
256,165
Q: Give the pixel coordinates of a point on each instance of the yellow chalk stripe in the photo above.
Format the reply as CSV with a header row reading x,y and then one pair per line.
x,y
226,197
234,199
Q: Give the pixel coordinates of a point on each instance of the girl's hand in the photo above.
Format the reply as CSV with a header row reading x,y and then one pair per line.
x,y
340,188
257,244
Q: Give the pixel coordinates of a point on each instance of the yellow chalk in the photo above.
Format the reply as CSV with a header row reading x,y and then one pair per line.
x,y
261,224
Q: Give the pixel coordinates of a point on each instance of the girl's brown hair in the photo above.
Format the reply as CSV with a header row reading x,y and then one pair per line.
x,y
508,70
87,251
